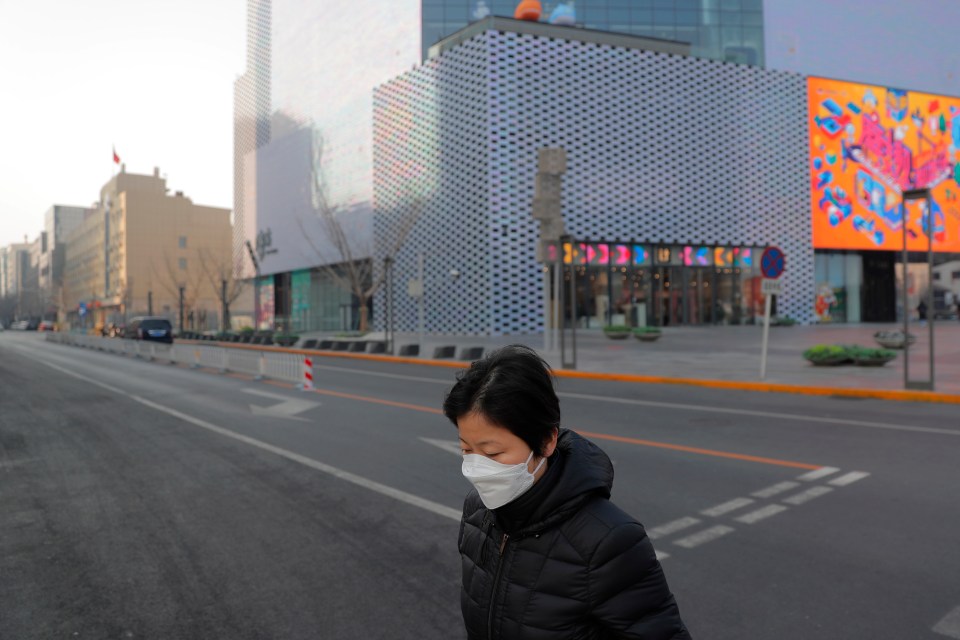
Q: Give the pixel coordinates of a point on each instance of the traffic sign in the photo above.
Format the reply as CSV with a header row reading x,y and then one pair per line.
x,y
771,287
772,262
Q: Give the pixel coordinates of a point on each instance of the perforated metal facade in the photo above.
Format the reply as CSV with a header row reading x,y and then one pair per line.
x,y
661,148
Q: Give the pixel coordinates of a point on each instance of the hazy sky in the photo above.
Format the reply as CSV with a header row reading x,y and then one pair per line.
x,y
153,78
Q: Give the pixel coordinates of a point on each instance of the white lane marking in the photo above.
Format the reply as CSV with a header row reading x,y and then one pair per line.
x,y
761,414
816,474
377,487
950,625
704,536
808,495
446,445
672,405
727,507
771,491
671,527
848,478
761,514
266,394
661,555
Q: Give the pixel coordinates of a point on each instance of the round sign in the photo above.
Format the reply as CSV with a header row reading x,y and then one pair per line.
x,y
772,262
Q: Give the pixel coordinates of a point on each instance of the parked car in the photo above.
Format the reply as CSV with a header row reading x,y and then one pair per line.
x,y
46,325
19,325
153,328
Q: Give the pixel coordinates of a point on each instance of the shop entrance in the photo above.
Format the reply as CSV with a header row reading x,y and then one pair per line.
x,y
879,286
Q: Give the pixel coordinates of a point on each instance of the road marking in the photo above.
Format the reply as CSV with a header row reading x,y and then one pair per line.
x,y
446,445
671,527
761,514
819,473
808,495
704,536
287,408
848,478
727,507
671,405
761,414
705,452
950,625
771,491
397,494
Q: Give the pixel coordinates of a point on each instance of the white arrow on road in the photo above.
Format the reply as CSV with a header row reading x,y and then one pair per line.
x,y
446,445
288,407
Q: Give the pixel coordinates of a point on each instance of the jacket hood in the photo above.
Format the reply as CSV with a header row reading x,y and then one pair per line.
x,y
585,472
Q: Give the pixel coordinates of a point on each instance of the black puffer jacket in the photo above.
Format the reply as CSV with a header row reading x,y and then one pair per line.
x,y
562,561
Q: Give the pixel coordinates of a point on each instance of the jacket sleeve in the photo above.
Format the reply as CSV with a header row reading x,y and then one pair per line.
x,y
628,592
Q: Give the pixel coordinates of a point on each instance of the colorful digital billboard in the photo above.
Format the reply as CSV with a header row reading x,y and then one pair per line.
x,y
868,144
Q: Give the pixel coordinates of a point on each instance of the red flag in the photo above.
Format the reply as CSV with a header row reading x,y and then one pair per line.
x,y
116,158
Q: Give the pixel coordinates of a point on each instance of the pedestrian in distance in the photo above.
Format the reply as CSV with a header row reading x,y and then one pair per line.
x,y
545,553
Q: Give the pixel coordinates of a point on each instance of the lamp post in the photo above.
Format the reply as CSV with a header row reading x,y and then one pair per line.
x,y
922,195
256,287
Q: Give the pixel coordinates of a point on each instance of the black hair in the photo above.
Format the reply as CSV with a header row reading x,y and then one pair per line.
x,y
512,388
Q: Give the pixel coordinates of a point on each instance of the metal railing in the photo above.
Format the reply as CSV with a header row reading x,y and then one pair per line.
x,y
288,367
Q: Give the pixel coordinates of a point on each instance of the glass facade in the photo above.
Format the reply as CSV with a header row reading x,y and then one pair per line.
x,y
730,30
661,285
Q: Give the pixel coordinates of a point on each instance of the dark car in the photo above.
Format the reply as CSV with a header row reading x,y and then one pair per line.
x,y
149,328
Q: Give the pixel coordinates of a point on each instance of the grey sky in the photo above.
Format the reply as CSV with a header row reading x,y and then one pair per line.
x,y
153,78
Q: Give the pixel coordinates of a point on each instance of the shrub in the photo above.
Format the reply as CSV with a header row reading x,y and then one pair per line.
x,y
617,328
646,330
828,353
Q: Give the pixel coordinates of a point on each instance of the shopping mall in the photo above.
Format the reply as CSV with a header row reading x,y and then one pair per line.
x,y
683,164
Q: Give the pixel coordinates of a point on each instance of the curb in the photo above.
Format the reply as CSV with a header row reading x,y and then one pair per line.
x,y
764,387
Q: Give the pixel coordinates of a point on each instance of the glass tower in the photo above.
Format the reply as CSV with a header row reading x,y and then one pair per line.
x,y
730,30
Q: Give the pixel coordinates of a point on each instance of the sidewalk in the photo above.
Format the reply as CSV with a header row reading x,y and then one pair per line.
x,y
732,353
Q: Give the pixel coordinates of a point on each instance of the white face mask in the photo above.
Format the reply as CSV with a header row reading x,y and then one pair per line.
x,y
498,483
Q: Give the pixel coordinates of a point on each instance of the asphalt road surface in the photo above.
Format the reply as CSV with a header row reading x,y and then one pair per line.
x,y
144,500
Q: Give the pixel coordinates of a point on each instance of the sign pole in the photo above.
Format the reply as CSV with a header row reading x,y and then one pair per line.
x,y
766,335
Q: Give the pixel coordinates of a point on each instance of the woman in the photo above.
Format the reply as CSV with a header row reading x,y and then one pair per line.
x,y
545,553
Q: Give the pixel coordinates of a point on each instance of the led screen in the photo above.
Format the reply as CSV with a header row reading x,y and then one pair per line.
x,y
867,145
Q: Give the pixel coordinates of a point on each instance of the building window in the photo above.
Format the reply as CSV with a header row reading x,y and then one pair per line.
x,y
936,275
183,264
183,242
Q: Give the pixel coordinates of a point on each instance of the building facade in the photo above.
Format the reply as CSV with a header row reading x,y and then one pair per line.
x,y
138,248
680,172
295,73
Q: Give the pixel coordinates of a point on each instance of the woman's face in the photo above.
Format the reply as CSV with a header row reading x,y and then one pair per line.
x,y
479,435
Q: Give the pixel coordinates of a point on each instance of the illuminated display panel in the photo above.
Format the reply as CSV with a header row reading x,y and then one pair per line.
x,y
867,145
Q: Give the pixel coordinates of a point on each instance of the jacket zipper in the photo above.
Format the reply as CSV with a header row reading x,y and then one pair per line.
x,y
496,583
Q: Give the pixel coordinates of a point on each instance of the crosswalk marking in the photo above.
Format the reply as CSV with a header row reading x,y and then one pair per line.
x,y
816,474
848,478
704,536
771,491
761,514
671,527
727,507
808,495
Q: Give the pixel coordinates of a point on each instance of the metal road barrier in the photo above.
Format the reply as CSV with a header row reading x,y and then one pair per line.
x,y
288,367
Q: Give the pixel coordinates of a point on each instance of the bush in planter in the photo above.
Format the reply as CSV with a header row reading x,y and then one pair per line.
x,y
617,331
828,355
868,357
350,334
782,321
894,339
286,339
647,334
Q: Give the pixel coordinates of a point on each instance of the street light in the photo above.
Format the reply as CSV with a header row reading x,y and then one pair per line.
x,y
256,286
923,195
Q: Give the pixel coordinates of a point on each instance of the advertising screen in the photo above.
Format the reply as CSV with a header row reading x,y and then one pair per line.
x,y
868,144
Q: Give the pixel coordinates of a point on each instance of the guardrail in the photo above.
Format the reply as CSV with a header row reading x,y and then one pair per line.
x,y
289,367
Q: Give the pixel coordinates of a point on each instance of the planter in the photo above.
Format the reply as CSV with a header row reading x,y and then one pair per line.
x,y
830,362
893,339
617,335
286,341
872,362
647,336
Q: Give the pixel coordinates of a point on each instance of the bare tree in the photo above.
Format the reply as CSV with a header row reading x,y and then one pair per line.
x,y
220,275
171,279
347,265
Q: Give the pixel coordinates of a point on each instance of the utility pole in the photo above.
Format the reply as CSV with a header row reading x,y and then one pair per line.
x,y
547,209
256,286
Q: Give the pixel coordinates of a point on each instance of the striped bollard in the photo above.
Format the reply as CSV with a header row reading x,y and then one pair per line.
x,y
307,374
